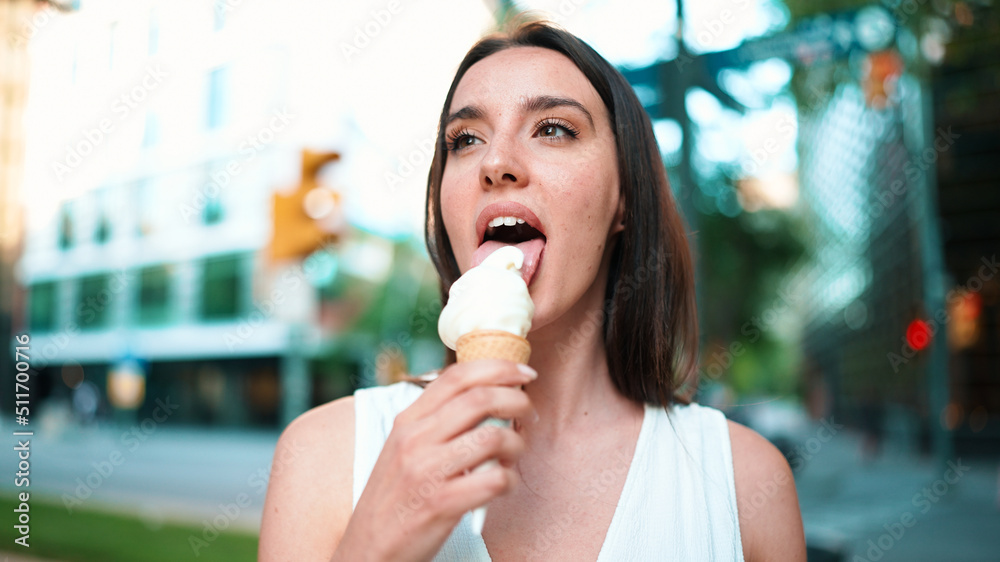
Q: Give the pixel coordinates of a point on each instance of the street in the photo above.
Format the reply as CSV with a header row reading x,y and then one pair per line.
x,y
172,475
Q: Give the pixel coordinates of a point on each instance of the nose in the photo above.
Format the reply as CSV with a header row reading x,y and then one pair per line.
x,y
501,166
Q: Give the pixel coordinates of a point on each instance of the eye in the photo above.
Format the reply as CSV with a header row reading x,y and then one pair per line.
x,y
462,139
550,128
551,131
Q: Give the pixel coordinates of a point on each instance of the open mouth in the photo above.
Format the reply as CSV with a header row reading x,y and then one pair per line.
x,y
511,224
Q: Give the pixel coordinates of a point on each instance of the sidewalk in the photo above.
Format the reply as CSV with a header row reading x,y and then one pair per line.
x,y
906,507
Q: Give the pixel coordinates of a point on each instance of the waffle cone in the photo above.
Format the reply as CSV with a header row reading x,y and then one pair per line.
x,y
492,344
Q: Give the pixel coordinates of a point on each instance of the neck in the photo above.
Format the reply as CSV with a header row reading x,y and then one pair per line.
x,y
574,390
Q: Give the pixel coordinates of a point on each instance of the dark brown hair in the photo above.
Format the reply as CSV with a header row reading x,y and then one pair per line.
x,y
650,323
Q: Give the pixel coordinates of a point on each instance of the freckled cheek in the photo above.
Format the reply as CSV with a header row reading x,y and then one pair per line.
x,y
455,211
583,211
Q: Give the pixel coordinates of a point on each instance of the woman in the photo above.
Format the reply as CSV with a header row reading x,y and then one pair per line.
x,y
607,459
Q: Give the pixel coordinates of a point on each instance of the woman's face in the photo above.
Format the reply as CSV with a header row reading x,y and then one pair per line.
x,y
530,139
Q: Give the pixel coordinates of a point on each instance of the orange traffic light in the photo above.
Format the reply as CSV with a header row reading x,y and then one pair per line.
x,y
964,311
295,233
881,72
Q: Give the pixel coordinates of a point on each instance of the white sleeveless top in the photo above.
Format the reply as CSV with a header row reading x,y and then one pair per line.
x,y
678,501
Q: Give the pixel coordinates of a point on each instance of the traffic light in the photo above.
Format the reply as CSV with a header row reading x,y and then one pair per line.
x,y
964,311
881,72
919,334
301,220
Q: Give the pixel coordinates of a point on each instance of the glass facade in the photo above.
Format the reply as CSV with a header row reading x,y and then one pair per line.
x,y
153,303
43,307
93,301
222,287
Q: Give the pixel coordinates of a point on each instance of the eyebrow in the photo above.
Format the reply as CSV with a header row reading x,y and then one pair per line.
x,y
467,112
542,103
530,105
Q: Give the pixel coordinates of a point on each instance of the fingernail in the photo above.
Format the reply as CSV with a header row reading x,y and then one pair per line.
x,y
527,371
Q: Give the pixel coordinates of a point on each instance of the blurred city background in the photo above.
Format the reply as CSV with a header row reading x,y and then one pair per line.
x,y
212,221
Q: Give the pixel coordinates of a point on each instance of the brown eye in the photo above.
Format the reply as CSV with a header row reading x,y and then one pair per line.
x,y
555,130
462,139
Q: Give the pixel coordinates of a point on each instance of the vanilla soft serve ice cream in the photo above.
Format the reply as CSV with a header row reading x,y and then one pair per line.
x,y
490,296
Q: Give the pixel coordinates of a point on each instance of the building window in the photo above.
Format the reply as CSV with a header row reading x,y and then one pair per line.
x,y
222,287
212,213
93,301
216,178
151,130
103,231
65,226
103,228
154,295
145,208
42,307
218,94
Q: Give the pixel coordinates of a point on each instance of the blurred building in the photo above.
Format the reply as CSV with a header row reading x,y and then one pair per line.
x,y
144,231
870,275
897,301
966,90
159,134
901,335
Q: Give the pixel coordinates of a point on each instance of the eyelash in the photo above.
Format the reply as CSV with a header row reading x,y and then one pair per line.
x,y
454,137
556,122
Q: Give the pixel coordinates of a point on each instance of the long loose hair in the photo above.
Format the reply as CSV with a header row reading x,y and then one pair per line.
x,y
649,319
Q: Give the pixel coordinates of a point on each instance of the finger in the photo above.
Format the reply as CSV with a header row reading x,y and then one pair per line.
x,y
470,408
467,492
475,447
460,377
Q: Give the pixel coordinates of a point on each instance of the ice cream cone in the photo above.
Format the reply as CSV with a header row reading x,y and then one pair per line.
x,y
492,344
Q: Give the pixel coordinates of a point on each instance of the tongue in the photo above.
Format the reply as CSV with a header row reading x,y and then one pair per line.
x,y
532,250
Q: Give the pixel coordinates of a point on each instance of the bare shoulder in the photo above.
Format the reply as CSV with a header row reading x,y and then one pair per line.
x,y
309,496
770,520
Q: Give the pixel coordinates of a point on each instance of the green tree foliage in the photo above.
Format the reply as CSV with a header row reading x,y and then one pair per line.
x,y
745,261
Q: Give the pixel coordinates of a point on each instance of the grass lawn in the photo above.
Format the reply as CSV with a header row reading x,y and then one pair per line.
x,y
89,535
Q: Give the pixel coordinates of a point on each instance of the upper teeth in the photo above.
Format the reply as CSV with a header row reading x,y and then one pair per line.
x,y
505,221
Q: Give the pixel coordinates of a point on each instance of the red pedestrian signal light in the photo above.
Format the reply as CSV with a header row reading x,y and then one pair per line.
x,y
918,334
